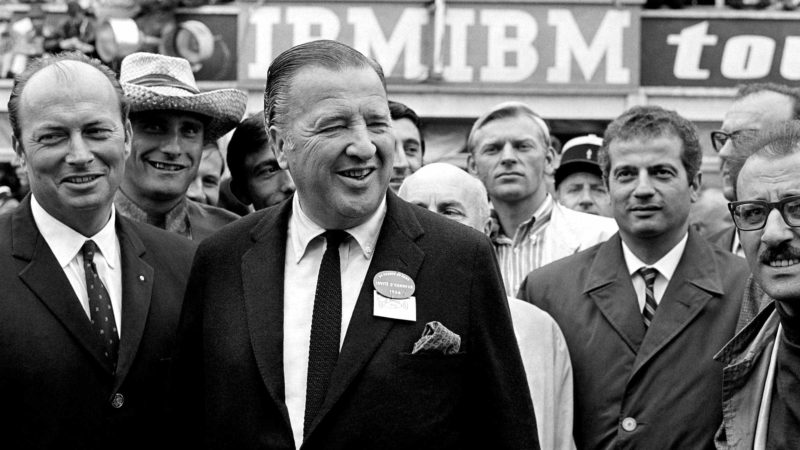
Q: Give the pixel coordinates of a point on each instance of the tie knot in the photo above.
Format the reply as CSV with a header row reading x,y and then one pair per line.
x,y
334,238
648,273
89,248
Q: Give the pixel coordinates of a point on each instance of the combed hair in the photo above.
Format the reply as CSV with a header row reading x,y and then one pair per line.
x,y
776,141
248,138
327,54
57,61
649,122
400,111
746,90
503,111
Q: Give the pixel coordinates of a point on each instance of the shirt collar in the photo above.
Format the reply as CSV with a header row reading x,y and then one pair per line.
x,y
539,217
666,265
65,242
304,230
175,220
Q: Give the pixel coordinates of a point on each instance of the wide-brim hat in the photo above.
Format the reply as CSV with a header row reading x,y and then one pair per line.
x,y
158,82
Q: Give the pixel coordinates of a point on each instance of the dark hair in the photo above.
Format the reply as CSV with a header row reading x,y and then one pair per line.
x,y
57,60
400,111
647,122
327,54
777,140
504,111
248,138
746,90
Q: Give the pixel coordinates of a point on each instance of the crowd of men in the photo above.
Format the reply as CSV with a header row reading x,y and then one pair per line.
x,y
365,299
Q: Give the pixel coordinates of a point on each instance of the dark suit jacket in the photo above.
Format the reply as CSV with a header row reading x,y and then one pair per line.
x,y
229,369
56,388
723,238
664,377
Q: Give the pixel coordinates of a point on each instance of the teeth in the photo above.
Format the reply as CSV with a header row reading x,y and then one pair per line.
x,y
784,262
358,173
165,166
81,180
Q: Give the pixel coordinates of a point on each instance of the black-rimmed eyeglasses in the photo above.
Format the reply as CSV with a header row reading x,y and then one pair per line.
x,y
719,138
752,215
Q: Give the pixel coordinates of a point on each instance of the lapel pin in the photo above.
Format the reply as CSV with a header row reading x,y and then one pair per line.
x,y
393,297
141,277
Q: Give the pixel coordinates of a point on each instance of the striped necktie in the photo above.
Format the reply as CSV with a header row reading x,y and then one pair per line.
x,y
650,305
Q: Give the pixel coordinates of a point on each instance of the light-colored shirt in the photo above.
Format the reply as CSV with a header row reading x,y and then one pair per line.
x,y
305,246
762,422
736,246
549,373
524,252
66,244
665,266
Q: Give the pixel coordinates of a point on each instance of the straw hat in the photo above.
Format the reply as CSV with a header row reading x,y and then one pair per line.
x,y
157,82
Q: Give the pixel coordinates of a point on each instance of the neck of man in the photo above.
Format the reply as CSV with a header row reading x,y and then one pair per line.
x,y
512,214
650,249
88,223
154,207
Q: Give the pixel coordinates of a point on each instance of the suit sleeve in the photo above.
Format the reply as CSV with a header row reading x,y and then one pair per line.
x,y
503,416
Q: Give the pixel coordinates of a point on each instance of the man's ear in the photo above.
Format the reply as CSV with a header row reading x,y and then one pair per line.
x,y
20,151
471,166
128,137
279,146
550,161
694,186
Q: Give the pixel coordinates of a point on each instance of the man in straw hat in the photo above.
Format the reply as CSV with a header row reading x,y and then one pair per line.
x,y
171,121
405,343
90,299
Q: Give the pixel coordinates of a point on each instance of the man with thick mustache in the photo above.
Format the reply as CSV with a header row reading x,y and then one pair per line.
x,y
345,317
171,121
644,312
510,152
761,380
89,300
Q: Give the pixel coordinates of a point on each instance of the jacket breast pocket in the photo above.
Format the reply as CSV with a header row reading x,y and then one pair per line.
x,y
436,381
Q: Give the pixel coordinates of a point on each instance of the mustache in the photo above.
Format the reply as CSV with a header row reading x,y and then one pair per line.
x,y
781,251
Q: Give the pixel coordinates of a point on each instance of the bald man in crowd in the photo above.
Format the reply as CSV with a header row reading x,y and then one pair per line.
x,y
447,190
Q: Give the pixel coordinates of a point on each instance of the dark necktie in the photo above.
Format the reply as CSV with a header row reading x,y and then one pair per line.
x,y
100,312
326,324
650,305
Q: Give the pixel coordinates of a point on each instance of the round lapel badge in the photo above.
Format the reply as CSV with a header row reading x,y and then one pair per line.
x,y
393,284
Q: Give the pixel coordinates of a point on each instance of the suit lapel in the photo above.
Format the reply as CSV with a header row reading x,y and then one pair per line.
x,y
262,282
693,284
137,291
45,278
396,250
609,286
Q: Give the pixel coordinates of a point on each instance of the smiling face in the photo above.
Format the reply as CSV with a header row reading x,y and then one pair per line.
x,y
408,150
748,114
337,143
167,147
510,157
267,184
73,143
773,252
650,193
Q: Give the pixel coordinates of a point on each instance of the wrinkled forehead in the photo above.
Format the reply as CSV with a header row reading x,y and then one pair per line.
x,y
765,177
497,128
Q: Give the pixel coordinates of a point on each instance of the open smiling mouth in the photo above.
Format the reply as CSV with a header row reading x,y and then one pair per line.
x,y
166,166
81,179
783,262
356,174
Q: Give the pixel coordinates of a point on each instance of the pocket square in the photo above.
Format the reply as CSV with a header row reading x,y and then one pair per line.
x,y
437,339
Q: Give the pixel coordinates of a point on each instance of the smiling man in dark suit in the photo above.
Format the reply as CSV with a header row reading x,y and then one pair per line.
x,y
396,337
89,301
644,312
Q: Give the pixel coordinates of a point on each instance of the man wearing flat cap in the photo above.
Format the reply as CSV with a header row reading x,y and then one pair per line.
x,y
345,317
89,300
171,121
578,178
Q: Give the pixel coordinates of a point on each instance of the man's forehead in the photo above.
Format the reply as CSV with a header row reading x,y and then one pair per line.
x,y
650,149
761,174
757,110
498,129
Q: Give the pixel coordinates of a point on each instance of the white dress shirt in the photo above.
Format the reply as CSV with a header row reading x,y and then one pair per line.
x,y
665,266
66,244
304,249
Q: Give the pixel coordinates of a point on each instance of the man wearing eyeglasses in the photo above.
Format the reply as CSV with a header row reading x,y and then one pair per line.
x,y
761,380
756,106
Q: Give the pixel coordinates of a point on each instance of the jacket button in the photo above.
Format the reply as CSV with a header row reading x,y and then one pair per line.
x,y
118,401
629,424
